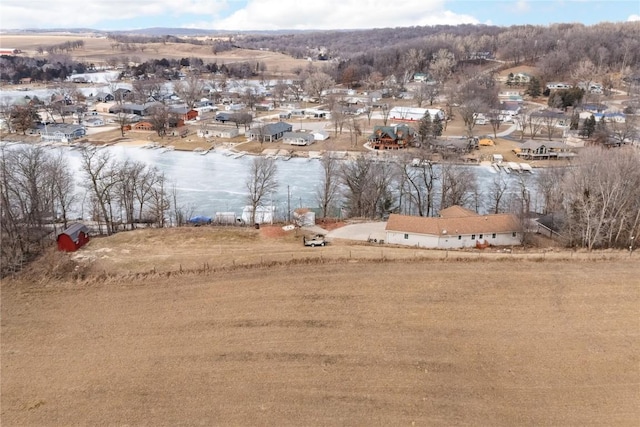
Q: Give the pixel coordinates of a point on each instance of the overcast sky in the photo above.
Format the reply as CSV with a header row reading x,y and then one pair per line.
x,y
304,14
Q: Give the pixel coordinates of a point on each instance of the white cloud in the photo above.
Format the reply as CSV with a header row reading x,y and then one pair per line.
x,y
227,14
522,6
338,14
88,13
633,18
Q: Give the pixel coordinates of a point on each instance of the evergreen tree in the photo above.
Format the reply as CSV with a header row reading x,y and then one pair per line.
x,y
533,88
425,129
575,121
588,127
437,126
510,80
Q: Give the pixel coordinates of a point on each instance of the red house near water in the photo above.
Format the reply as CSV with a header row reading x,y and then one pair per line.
x,y
73,238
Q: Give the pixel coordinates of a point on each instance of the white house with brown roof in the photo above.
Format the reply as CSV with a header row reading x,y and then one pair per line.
x,y
456,228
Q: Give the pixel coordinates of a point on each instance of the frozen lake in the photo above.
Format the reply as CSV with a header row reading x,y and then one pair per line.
x,y
216,183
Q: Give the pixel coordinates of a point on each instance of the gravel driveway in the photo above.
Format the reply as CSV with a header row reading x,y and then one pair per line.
x,y
363,231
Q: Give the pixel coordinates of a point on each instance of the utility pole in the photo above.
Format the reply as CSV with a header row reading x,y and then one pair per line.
x,y
288,205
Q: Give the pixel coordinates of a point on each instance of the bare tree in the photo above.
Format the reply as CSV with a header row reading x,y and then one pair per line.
x,y
548,185
385,109
317,83
457,185
36,191
355,130
147,90
23,117
624,131
469,110
498,188
159,118
102,173
368,187
327,191
601,196
442,65
189,90
261,181
160,203
584,73
419,179
123,121
6,108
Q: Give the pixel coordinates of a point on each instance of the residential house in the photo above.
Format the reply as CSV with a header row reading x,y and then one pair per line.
x,y
224,117
320,135
104,97
121,94
455,230
423,77
558,85
392,137
184,113
511,96
105,107
509,109
608,117
413,113
594,108
269,133
555,118
218,132
298,138
542,150
59,132
143,125
94,121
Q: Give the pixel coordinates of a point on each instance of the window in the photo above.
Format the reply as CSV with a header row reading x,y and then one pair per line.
x,y
406,236
473,237
480,237
493,236
459,237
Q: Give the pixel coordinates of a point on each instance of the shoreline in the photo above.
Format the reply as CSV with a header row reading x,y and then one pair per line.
x,y
384,155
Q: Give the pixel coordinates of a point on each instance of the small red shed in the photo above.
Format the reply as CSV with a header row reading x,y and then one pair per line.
x,y
74,237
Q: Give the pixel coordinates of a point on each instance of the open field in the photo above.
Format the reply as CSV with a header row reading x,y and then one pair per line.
x,y
341,335
99,49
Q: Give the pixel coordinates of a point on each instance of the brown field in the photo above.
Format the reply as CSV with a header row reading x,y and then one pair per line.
x,y
206,326
97,50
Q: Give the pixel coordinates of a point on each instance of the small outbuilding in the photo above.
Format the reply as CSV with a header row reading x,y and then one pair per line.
x,y
73,238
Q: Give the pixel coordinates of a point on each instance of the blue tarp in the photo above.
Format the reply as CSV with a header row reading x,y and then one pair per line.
x,y
200,220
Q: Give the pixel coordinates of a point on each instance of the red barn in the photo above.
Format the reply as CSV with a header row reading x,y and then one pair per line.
x,y
73,237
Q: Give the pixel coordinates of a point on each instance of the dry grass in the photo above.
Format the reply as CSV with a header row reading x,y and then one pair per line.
x,y
318,340
98,50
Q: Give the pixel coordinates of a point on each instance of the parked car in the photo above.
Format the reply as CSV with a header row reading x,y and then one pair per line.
x,y
317,240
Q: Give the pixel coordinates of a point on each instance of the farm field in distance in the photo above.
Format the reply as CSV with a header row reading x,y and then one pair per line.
x,y
99,49
503,341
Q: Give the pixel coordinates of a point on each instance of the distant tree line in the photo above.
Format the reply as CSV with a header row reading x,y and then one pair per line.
x,y
144,39
52,68
555,49
66,47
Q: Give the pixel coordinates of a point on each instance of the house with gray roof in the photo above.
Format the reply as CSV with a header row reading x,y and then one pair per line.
x,y
543,150
298,138
59,132
269,133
